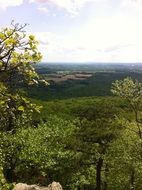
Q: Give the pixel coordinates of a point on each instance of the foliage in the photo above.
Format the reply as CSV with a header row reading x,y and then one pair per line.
x,y
18,53
3,184
131,91
40,153
128,89
16,111
124,160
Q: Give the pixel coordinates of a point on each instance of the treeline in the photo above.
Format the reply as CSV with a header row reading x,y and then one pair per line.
x,y
97,85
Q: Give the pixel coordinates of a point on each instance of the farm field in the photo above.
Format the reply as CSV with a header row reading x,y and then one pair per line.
x,y
87,80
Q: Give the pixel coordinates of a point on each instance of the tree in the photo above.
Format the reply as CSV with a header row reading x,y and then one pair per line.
x,y
131,91
39,153
18,54
96,130
124,160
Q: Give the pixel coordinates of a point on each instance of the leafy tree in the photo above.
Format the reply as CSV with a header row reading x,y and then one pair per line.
x,y
131,91
39,154
124,160
93,141
96,130
18,53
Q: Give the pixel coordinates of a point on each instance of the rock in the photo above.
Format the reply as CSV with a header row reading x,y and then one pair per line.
x,y
23,186
52,186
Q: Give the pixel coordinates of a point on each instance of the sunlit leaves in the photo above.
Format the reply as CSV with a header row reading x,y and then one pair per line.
x,y
21,108
2,36
131,91
42,147
31,37
128,89
18,52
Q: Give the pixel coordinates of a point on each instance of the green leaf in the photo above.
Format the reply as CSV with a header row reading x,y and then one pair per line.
x,y
21,108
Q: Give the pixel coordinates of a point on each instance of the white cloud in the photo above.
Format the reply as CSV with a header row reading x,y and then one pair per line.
x,y
133,3
132,7
58,48
115,38
71,6
119,34
111,39
43,9
7,3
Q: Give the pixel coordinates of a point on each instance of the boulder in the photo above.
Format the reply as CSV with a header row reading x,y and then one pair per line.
x,y
23,186
52,186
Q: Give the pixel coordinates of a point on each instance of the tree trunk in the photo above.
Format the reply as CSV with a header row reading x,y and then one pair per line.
x,y
9,173
132,179
98,174
10,123
105,185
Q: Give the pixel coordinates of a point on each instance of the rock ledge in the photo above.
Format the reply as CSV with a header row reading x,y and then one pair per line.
x,y
53,186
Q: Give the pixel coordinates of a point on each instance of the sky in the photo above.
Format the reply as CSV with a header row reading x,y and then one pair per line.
x,y
80,30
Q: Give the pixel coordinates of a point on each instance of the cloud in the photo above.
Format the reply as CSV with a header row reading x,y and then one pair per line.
x,y
8,3
43,9
59,48
132,4
111,39
103,38
114,48
71,6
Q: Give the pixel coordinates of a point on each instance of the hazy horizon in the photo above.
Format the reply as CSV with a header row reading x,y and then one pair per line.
x,y
101,63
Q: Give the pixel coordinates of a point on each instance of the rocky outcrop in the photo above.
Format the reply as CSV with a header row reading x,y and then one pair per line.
x,y
52,186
